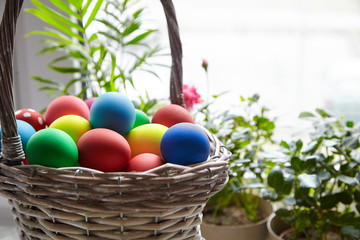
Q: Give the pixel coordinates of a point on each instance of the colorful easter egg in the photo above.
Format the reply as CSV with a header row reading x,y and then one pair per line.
x,y
90,101
34,118
140,119
66,105
172,114
114,111
73,125
185,144
25,130
104,150
144,162
146,139
52,147
26,162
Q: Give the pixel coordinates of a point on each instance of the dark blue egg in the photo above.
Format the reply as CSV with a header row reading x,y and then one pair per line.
x,y
185,144
113,111
25,130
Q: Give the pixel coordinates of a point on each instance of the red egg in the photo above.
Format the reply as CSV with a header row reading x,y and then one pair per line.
x,y
104,150
66,105
172,114
144,162
32,117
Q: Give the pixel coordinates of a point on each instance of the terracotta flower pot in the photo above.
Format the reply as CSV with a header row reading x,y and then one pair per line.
x,y
255,231
275,227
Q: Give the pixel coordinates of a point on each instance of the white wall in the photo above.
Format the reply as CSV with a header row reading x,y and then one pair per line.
x,y
29,63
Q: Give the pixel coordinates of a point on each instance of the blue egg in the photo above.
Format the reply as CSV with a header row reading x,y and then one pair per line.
x,y
114,111
185,144
25,130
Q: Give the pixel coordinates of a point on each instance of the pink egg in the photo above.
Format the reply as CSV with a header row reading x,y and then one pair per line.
x,y
90,101
32,117
66,105
144,162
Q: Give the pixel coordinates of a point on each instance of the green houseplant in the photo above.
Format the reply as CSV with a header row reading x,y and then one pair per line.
x,y
101,45
246,131
318,182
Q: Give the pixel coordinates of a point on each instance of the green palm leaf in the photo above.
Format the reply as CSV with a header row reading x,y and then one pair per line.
x,y
47,19
93,13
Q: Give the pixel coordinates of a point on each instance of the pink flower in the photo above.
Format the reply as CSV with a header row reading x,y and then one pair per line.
x,y
190,96
205,64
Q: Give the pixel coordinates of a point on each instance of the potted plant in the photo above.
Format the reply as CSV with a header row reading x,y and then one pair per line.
x,y
100,44
238,211
317,183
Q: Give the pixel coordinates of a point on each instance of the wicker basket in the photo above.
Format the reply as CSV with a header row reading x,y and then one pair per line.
x,y
78,203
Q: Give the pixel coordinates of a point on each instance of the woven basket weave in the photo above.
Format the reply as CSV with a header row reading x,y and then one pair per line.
x,y
79,203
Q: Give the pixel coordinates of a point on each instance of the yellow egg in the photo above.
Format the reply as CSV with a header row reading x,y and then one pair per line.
x,y
146,139
73,125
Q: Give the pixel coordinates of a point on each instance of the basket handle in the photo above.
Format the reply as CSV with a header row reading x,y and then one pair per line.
x,y
12,153
176,83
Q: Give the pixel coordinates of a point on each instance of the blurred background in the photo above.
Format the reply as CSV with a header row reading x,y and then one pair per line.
x,y
298,55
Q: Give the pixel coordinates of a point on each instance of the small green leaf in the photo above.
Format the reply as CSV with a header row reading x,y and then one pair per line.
x,y
130,29
324,176
309,181
299,145
350,124
312,146
45,81
288,184
64,7
306,115
93,37
65,69
137,13
56,16
344,197
309,162
328,201
284,144
269,195
276,178
351,181
140,37
93,13
44,17
50,34
76,3
322,113
296,164
85,8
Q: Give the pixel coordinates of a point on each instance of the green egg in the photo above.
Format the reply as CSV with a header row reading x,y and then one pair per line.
x,y
140,119
52,148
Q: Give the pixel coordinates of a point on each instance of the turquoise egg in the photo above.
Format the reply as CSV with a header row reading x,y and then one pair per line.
x,y
25,130
113,111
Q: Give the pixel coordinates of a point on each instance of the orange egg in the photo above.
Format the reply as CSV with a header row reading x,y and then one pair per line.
x,y
144,162
146,139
